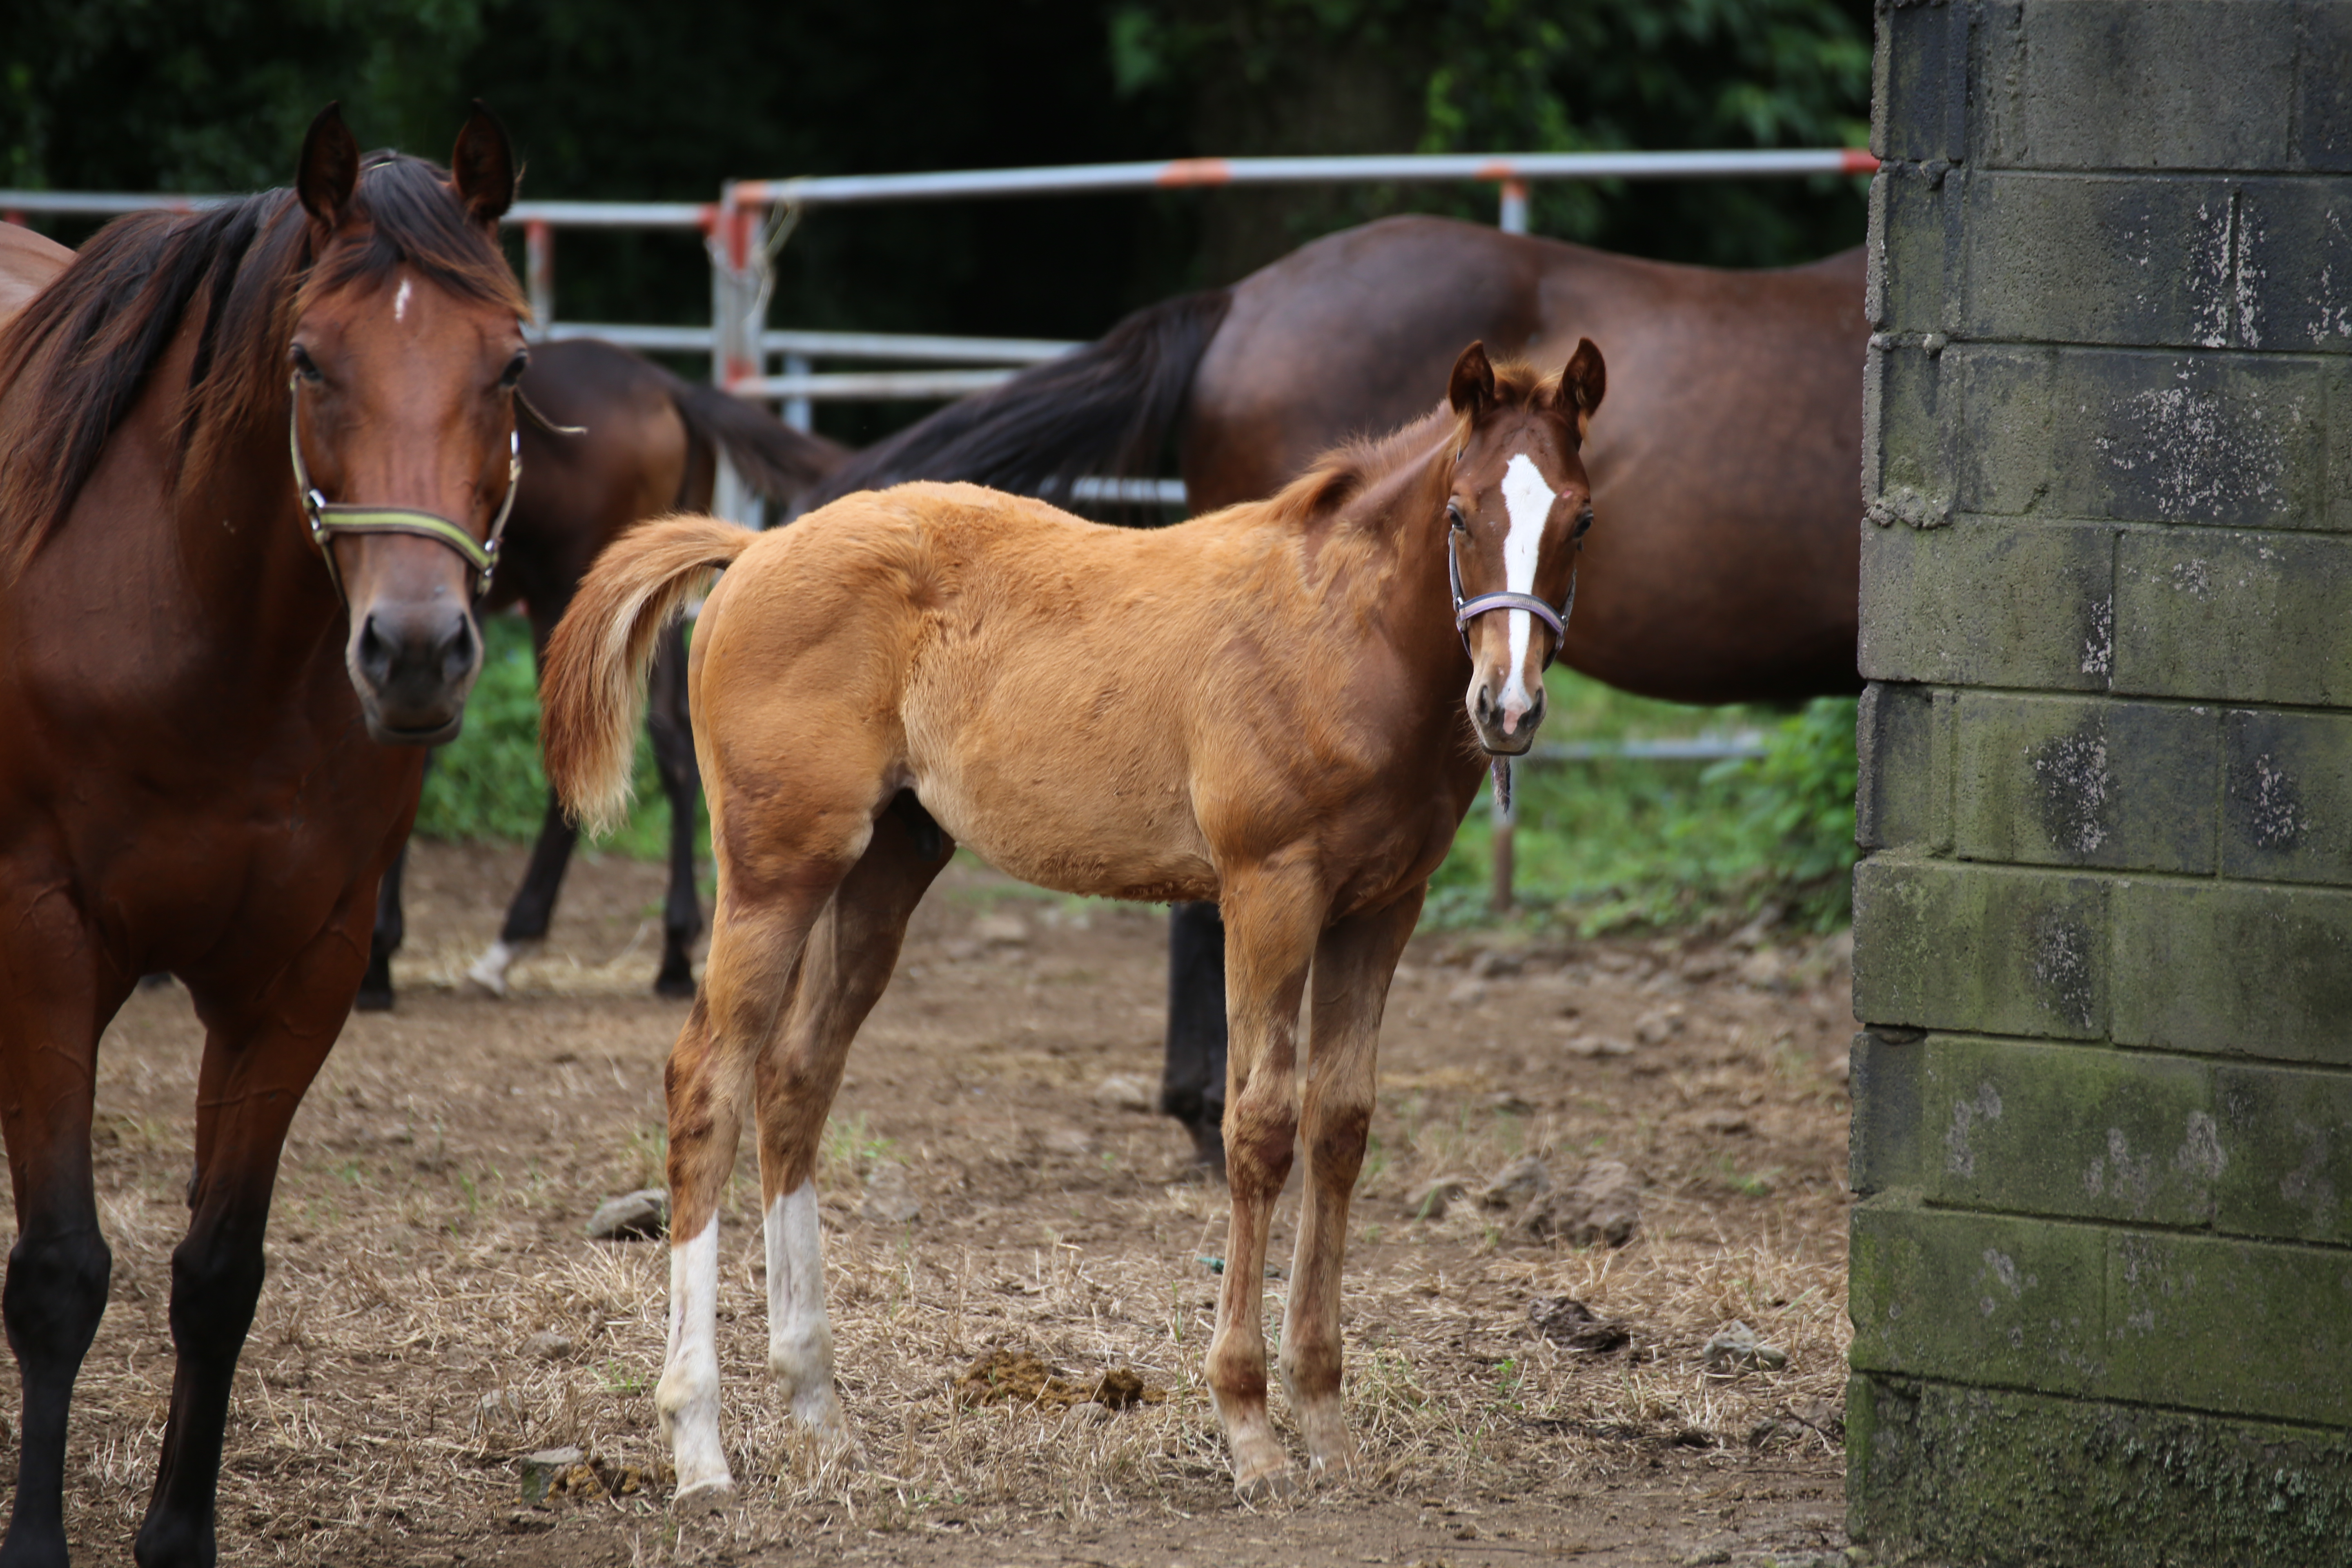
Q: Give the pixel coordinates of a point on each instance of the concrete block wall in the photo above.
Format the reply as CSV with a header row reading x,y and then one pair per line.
x,y
2102,1280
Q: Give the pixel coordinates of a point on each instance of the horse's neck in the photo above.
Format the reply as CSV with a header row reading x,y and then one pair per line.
x,y
1396,581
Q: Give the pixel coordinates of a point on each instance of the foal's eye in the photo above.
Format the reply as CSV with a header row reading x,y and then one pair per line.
x,y
1454,515
1583,522
304,366
510,377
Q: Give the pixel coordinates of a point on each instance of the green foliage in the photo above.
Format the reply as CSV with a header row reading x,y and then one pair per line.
x,y
1617,844
488,784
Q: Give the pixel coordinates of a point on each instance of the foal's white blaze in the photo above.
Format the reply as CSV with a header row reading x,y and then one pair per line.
x,y
800,1335
1528,500
686,1399
400,300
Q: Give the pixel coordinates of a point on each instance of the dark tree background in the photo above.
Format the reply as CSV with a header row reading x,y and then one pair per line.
x,y
626,98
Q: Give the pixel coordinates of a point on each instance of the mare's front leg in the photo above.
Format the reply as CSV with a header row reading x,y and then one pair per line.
x,y
1273,915
390,929
1193,1083
1353,964
54,993
844,969
261,1051
669,723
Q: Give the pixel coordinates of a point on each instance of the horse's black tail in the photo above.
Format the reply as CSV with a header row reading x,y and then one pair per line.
x,y
1104,409
775,460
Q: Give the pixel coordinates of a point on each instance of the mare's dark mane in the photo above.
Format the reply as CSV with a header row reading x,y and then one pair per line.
x,y
75,361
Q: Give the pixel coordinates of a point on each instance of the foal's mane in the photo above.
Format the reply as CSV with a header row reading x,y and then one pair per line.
x,y
76,360
1349,472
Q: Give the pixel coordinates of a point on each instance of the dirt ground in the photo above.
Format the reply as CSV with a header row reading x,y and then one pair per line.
x,y
429,1224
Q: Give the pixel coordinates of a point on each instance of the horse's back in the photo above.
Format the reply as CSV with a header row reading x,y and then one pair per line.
x,y
28,263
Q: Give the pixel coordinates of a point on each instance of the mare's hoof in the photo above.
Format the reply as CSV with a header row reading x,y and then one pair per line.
x,y
1267,1486
703,1498
675,985
372,1001
1208,1149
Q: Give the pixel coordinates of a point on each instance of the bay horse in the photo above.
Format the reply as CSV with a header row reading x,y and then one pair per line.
x,y
1739,585
647,443
1280,706
266,448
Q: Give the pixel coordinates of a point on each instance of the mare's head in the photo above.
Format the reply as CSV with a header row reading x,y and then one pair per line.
x,y
1516,518
406,346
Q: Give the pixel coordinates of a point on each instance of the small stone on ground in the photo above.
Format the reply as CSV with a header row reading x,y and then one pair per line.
x,y
641,1215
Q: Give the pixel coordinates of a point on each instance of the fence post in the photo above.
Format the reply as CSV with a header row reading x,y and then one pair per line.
x,y
740,282
1513,218
539,272
1506,813
799,413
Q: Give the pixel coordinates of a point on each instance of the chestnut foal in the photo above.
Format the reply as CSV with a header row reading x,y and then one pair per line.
x,y
1264,707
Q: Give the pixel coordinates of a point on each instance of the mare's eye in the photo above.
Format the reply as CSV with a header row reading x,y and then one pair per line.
x,y
512,375
304,366
1583,522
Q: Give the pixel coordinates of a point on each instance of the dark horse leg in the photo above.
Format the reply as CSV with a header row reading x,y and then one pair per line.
x,y
668,722
1192,1088
52,1004
533,909
260,1053
391,930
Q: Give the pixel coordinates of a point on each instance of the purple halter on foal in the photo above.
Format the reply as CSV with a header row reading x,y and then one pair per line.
x,y
1467,610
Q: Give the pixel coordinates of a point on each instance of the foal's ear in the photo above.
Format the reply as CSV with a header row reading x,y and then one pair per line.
x,y
483,166
329,169
1582,383
1471,387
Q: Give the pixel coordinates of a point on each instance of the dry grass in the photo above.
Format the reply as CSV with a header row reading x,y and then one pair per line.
x,y
427,1226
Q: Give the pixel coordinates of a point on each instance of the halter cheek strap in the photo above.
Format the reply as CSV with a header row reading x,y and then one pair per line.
x,y
1467,610
327,518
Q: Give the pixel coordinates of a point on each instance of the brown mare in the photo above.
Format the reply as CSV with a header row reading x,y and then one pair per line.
x,y
650,444
206,787
1265,706
1733,454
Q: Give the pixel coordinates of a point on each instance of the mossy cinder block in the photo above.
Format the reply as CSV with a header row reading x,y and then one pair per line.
x,y
2059,781
1899,796
1987,603
2295,264
1977,1298
1914,224
1980,948
2323,104
2240,968
1904,463
1919,83
2130,84
1886,1148
2074,258
2286,803
2070,1131
2233,617
2220,1324
1953,1475
2288,1136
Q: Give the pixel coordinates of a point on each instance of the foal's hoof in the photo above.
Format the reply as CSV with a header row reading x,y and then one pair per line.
x,y
1267,1486
702,1498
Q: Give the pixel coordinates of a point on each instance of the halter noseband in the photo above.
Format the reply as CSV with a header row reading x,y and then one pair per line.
x,y
1467,610
329,517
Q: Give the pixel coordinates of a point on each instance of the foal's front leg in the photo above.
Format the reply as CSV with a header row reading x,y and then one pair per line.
x,y
1272,918
1353,965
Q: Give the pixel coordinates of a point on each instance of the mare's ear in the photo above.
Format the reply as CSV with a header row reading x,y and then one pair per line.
x,y
1471,387
330,169
483,166
1583,381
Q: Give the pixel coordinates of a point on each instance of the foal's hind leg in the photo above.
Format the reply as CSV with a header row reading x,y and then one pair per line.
x,y
844,969
1353,964
770,898
53,1000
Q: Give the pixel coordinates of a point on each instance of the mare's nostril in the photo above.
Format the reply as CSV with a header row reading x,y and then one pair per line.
x,y
375,653
456,650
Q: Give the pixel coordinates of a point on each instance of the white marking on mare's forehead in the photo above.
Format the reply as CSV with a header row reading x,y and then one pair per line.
x,y
1528,500
400,300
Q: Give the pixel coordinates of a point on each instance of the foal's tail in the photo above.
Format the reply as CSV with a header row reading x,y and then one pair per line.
x,y
592,689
